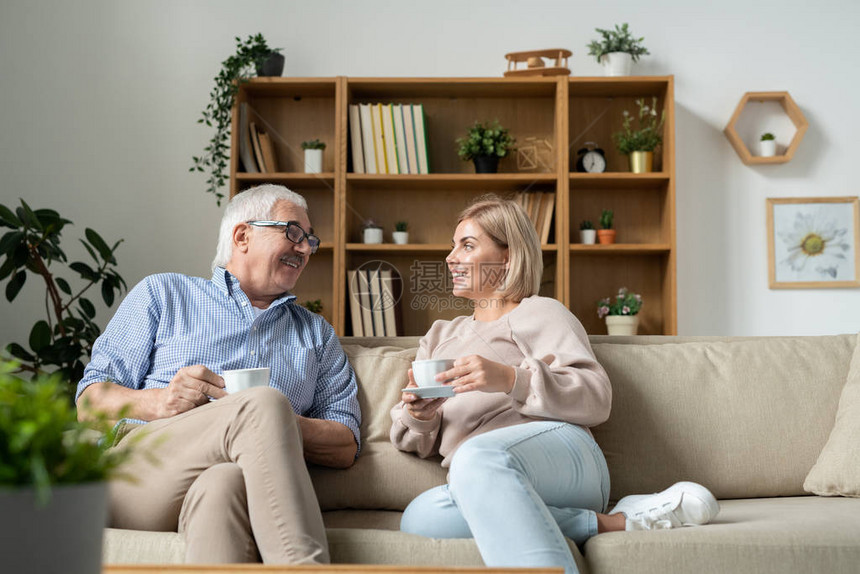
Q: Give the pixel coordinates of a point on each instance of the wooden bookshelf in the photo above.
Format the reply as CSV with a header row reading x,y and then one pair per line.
x,y
565,111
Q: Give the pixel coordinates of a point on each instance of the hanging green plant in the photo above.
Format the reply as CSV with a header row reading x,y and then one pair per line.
x,y
245,63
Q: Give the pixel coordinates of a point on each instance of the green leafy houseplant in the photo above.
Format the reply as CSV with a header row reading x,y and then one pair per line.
x,y
41,441
626,303
767,136
646,135
314,306
617,40
32,246
606,219
586,224
313,144
250,55
401,226
485,140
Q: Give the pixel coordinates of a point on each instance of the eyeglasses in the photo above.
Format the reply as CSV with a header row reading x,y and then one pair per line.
x,y
293,231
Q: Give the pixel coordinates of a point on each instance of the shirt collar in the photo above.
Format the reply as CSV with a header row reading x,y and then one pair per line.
x,y
228,284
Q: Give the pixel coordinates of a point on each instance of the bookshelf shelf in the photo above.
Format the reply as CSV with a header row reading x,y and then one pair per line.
x,y
564,111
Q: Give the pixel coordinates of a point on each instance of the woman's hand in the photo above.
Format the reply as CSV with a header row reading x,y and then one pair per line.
x,y
421,409
475,373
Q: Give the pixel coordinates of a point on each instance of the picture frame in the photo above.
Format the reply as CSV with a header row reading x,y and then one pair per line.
x,y
813,242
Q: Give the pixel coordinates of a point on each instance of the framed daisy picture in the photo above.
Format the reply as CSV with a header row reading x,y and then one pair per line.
x,y
813,242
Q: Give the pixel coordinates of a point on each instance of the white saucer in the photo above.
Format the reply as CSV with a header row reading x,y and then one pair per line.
x,y
431,392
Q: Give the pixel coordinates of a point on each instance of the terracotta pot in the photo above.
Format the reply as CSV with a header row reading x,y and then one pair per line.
x,y
606,236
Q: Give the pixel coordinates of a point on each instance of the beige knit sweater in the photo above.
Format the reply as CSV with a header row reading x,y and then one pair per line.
x,y
557,377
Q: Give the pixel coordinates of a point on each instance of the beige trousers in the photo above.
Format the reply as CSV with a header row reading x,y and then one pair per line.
x,y
231,477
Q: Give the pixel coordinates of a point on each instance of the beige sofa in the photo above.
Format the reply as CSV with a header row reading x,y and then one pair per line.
x,y
747,417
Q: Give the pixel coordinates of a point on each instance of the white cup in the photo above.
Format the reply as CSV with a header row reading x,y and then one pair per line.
x,y
241,379
424,372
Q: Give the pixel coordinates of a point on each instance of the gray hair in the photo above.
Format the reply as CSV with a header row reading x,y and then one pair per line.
x,y
253,203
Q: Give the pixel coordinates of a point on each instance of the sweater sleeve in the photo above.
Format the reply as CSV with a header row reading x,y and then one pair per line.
x,y
408,433
559,378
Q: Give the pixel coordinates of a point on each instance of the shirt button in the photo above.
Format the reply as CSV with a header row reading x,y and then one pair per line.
x,y
252,352
244,303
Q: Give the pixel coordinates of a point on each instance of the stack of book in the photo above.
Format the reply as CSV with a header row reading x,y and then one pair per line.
x,y
388,138
539,207
256,149
374,299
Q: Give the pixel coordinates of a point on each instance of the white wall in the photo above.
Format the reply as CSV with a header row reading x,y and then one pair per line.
x,y
99,103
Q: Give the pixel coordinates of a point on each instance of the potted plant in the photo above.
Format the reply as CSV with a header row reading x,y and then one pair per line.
x,y
250,56
606,235
53,475
621,314
639,142
617,50
315,306
401,233
372,232
62,341
767,145
587,233
313,155
485,144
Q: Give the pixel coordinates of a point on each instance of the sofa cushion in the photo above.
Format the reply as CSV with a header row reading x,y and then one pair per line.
x,y
746,418
382,477
837,471
761,536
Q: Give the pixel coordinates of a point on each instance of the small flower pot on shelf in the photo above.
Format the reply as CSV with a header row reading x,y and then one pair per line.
x,y
400,237
373,235
641,161
606,236
767,145
622,324
588,236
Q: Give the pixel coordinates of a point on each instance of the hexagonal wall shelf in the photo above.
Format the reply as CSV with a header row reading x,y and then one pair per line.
x,y
791,110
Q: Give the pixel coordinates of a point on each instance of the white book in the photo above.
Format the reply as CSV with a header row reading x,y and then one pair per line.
x,y
378,138
409,131
367,138
355,139
365,303
390,139
400,138
420,137
354,303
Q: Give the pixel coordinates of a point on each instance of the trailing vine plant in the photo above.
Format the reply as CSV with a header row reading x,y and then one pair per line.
x,y
249,57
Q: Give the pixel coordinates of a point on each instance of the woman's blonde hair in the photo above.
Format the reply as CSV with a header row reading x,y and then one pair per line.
x,y
507,224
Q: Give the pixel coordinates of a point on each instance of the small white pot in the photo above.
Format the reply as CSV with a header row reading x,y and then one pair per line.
x,y
622,324
767,148
313,160
400,237
617,63
588,236
373,235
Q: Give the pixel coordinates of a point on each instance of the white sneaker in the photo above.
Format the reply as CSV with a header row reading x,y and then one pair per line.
x,y
682,504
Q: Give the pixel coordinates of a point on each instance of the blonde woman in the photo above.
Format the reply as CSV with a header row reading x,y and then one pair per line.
x,y
525,471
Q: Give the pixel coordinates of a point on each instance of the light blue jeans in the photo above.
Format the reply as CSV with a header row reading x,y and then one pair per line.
x,y
519,491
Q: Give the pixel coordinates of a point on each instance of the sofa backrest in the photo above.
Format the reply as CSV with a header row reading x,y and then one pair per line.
x,y
747,417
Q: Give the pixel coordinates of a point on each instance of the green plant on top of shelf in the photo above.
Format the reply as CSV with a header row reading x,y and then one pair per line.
x,y
626,303
586,224
618,40
767,136
646,136
314,306
401,226
606,219
485,140
250,55
313,144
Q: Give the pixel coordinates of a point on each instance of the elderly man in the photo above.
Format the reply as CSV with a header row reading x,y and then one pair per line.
x,y
231,472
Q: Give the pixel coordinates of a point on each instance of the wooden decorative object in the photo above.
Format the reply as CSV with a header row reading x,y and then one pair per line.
x,y
535,65
791,110
535,153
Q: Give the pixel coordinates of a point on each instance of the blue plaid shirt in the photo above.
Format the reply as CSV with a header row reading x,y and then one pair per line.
x,y
169,321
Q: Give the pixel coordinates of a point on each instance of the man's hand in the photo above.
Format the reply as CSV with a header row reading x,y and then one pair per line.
x,y
190,387
421,409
